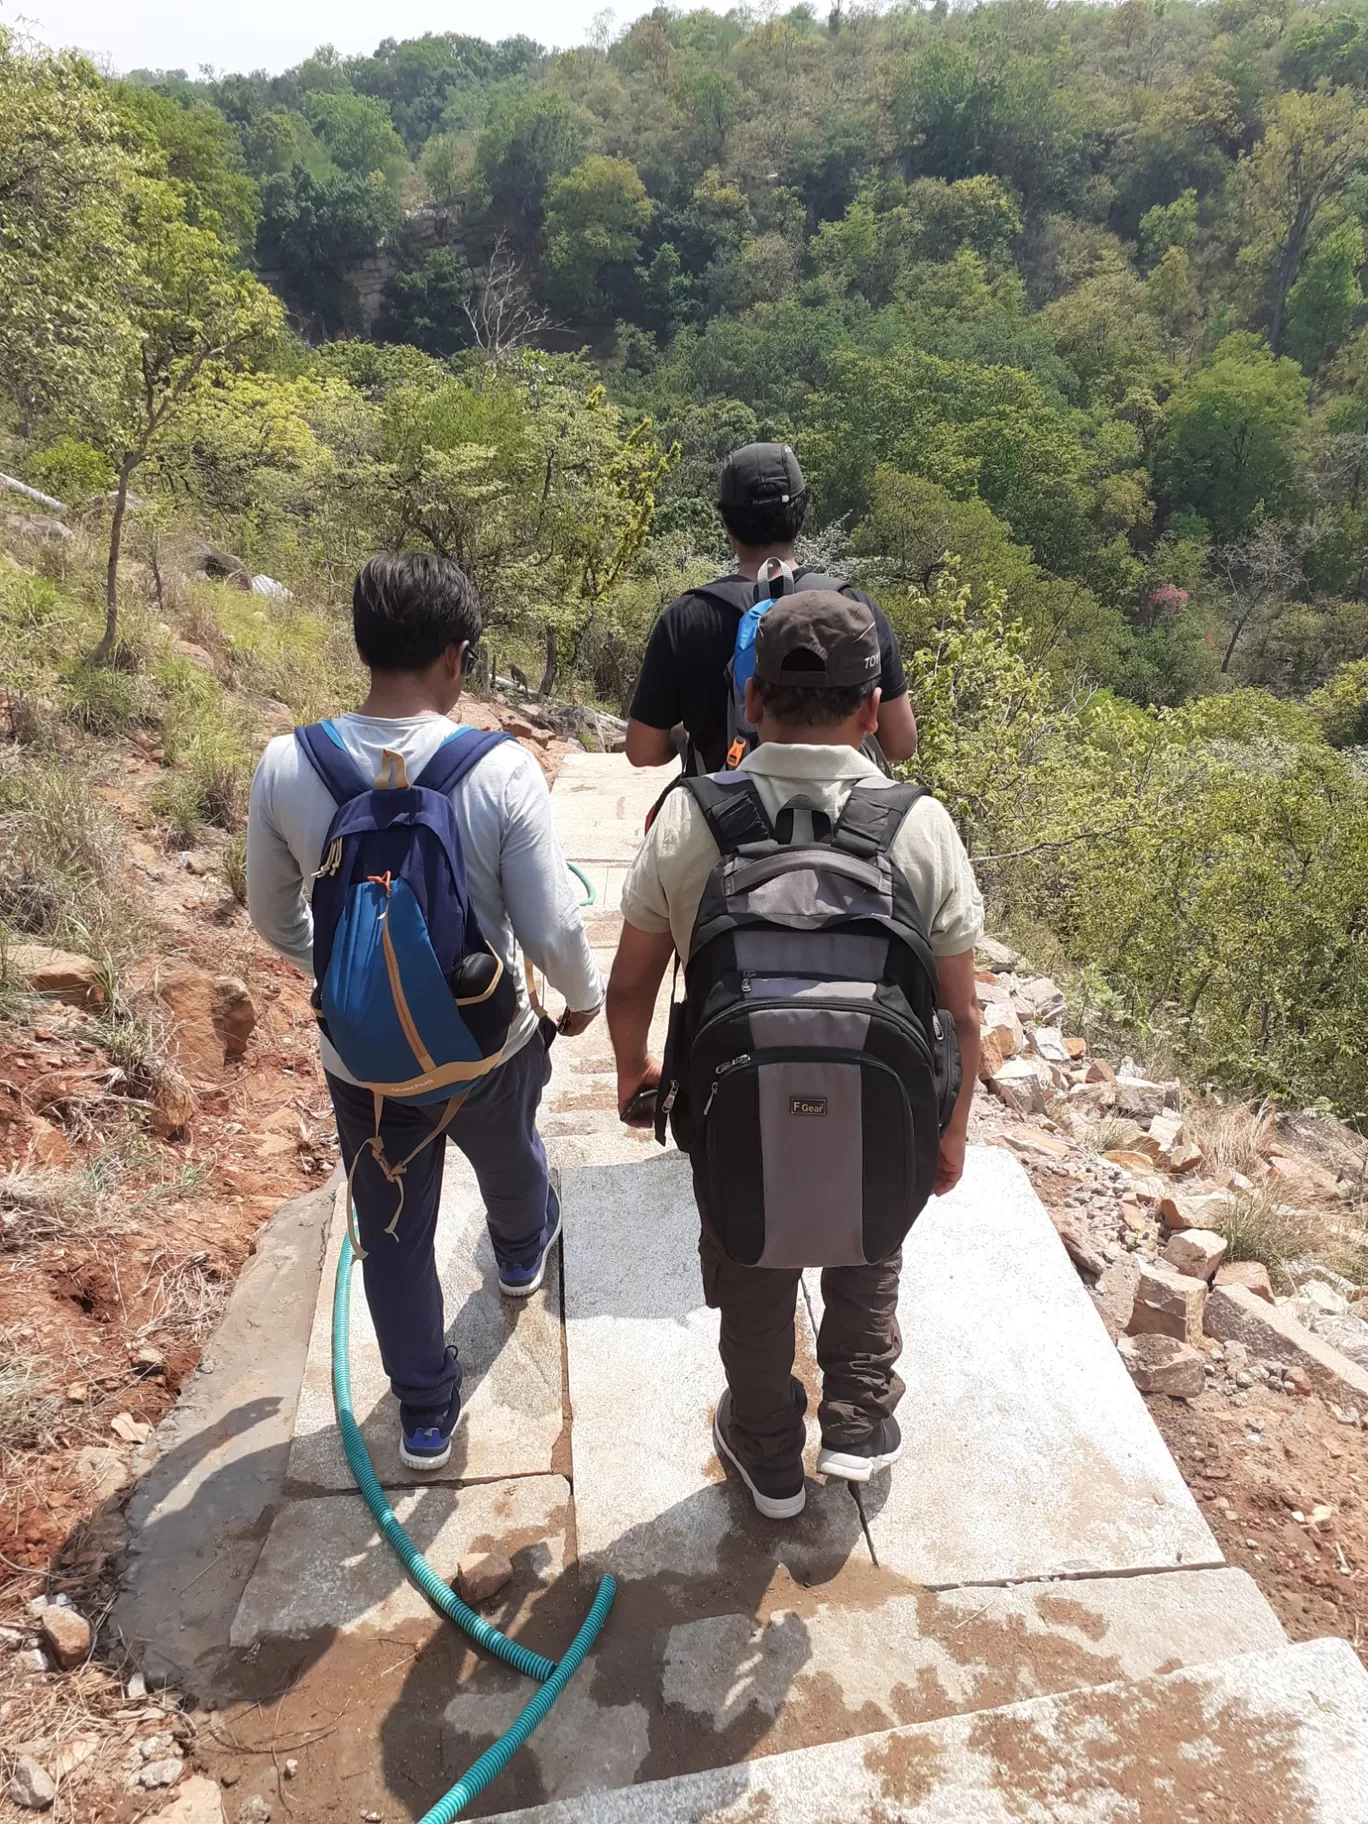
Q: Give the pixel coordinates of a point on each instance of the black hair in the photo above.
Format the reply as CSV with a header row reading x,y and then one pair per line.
x,y
766,522
408,607
821,707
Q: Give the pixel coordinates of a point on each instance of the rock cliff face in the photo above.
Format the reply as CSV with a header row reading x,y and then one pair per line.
x,y
428,226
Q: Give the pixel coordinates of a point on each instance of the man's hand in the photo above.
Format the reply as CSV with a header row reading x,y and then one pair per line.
x,y
959,998
573,1024
951,1167
629,1084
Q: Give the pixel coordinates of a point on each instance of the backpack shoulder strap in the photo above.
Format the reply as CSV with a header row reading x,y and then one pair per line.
x,y
734,811
456,756
871,819
322,748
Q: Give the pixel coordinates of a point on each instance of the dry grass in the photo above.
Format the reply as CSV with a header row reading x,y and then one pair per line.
x,y
1234,1136
45,1206
1257,1225
29,1408
63,863
189,1295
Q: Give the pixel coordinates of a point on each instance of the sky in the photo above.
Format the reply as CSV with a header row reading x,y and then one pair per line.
x,y
273,34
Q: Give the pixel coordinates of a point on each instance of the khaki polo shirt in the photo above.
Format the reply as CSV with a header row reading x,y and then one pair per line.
x,y
666,881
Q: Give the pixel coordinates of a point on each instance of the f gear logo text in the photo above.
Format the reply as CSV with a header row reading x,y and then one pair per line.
x,y
807,1105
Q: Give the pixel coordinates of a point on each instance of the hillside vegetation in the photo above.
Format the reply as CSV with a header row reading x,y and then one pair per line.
x,y
1061,307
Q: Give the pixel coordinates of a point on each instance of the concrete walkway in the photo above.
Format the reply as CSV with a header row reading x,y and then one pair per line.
x,y
1036,1549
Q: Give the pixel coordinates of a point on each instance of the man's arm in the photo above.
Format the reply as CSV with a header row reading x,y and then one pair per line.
x,y
275,887
638,968
897,730
647,746
959,997
541,902
655,701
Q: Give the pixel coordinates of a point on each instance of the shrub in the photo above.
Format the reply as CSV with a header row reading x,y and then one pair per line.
x,y
103,701
1210,862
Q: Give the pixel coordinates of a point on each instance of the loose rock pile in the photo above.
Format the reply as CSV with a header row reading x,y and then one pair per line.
x,y
1146,1217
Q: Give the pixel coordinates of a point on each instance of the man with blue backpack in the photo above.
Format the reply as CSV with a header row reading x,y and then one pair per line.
x,y
701,649
399,860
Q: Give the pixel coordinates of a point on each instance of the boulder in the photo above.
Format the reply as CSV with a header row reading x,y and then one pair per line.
x,y
174,1103
197,1802
60,975
1099,1071
1040,999
1076,1048
189,994
30,1785
1037,1143
1273,1333
1161,1364
233,1013
1142,1100
67,1636
1168,1304
1048,1043
481,1575
1196,1252
996,955
1348,1334
1251,1274
1001,1037
1184,1212
1185,1157
1019,1084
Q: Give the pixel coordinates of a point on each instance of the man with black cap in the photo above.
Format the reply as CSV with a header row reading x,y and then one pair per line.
x,y
813,698
763,500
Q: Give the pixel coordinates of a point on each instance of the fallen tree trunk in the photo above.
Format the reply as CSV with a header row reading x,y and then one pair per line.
x,y
22,487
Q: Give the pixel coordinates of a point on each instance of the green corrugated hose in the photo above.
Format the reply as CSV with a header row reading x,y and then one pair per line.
x,y
551,1676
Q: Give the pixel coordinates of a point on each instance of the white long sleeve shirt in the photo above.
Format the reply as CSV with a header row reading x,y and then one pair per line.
x,y
520,887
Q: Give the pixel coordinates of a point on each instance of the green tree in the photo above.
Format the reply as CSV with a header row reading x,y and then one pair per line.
x,y
533,137
1324,303
595,218
358,134
201,152
1311,143
65,176
1229,442
193,314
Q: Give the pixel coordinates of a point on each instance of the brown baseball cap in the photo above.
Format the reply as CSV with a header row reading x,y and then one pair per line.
x,y
817,640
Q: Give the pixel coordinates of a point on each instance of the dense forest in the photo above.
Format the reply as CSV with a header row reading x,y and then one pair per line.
x,y
1061,305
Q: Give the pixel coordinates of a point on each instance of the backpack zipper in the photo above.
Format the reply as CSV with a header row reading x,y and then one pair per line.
x,y
725,1069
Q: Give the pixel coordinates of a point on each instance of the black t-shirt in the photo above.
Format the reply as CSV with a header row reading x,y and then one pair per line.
x,y
683,673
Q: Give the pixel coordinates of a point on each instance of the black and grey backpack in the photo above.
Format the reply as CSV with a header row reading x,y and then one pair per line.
x,y
809,1071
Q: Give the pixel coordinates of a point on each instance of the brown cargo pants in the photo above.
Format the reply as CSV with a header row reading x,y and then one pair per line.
x,y
857,1344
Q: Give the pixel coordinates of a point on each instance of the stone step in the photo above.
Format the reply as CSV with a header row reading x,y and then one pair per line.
x,y
325,1565
1030,1454
1029,1451
1278,1737
601,802
510,1352
802,1669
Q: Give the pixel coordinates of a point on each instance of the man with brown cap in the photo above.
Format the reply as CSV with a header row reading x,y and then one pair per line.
x,y
813,698
763,500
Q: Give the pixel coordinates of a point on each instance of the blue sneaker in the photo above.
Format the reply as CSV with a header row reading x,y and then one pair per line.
x,y
429,1446
522,1282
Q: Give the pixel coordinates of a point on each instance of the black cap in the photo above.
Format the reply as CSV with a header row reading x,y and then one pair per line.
x,y
760,474
817,640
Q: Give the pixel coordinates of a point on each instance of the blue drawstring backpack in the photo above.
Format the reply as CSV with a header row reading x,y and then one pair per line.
x,y
406,989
